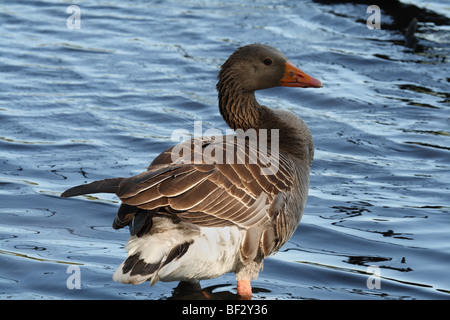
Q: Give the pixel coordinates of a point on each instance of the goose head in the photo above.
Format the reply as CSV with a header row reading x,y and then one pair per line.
x,y
258,66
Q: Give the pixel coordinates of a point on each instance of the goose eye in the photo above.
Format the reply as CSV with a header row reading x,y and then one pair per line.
x,y
267,61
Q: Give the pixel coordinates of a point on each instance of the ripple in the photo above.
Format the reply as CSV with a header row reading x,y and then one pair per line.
x,y
103,101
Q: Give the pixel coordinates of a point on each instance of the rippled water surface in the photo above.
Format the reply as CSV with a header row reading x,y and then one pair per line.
x,y
102,101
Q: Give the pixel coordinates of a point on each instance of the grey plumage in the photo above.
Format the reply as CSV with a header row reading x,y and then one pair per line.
x,y
222,192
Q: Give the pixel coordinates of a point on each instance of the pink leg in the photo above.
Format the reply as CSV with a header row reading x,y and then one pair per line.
x,y
244,289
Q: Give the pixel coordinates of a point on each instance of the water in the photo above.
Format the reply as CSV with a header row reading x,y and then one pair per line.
x,y
103,101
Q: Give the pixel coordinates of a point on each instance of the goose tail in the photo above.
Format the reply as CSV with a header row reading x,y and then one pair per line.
x,y
100,186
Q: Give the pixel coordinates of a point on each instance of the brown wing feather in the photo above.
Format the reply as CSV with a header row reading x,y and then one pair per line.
x,y
209,194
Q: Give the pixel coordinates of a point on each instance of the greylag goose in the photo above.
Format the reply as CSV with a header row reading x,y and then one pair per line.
x,y
214,205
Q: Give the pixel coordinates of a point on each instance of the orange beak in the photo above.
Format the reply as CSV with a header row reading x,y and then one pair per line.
x,y
294,77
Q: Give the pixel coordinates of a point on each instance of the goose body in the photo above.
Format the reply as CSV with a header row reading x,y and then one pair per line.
x,y
192,218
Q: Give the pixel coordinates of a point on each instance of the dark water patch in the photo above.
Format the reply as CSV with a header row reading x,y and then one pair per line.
x,y
366,261
424,90
423,105
427,145
401,13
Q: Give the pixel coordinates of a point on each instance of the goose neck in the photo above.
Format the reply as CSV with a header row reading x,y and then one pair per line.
x,y
238,106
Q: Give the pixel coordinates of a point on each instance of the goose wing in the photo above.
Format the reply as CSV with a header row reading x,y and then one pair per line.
x,y
237,191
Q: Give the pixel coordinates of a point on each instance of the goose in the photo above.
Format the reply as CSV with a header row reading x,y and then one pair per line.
x,y
215,205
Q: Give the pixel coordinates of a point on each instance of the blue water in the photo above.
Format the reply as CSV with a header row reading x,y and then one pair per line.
x,y
102,101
